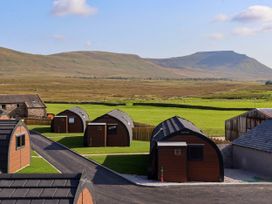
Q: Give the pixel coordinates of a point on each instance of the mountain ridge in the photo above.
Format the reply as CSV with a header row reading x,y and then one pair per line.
x,y
209,64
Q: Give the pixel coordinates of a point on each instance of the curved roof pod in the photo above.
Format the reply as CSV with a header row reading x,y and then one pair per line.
x,y
123,118
83,115
177,126
8,130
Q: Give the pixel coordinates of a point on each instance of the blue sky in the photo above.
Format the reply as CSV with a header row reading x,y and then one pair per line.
x,y
149,28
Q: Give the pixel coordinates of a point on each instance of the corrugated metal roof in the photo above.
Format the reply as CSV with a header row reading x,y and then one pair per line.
x,y
35,188
259,138
31,100
170,126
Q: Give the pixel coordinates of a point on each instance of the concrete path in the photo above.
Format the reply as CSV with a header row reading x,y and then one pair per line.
x,y
111,188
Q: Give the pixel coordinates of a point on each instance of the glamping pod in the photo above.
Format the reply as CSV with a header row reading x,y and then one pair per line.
x,y
111,129
70,121
180,152
240,124
46,188
14,146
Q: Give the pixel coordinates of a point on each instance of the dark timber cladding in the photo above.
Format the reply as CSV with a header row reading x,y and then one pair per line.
x,y
240,124
118,129
181,152
14,146
46,189
71,120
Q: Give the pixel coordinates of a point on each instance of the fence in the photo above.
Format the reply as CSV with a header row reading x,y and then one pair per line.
x,y
32,121
142,133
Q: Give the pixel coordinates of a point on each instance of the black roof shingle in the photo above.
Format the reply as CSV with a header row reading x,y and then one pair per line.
x,y
259,138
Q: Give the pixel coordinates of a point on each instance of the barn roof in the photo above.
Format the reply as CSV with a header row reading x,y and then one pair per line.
x,y
6,129
31,100
170,126
41,188
259,138
266,112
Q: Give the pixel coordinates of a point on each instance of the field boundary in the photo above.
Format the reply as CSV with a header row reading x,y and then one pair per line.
x,y
191,106
87,102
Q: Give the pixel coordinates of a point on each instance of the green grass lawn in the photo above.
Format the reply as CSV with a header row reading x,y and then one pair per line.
x,y
126,164
210,121
74,141
38,165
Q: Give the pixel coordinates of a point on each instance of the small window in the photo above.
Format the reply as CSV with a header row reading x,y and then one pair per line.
x,y
18,105
195,152
112,129
177,152
20,141
4,106
71,120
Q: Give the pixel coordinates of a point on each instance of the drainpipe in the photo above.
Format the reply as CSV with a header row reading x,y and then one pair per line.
x,y
161,177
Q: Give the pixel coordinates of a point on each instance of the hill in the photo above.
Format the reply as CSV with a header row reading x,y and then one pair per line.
x,y
224,64
80,64
221,64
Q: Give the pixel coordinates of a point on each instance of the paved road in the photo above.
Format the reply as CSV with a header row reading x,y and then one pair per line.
x,y
111,189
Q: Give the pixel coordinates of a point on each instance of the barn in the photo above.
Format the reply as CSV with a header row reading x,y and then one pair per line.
x,y
72,120
23,106
111,129
46,188
252,151
240,124
180,152
4,115
14,146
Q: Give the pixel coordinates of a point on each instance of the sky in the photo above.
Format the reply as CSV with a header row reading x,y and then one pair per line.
x,y
149,28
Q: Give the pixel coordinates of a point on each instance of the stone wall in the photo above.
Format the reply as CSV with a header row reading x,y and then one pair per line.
x,y
36,112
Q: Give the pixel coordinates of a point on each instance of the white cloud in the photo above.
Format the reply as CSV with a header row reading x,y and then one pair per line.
x,y
72,7
221,18
256,13
58,37
216,36
88,44
244,31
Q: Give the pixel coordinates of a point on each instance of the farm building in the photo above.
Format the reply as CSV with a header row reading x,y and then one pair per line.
x,y
180,152
46,188
70,121
240,124
253,150
112,129
14,146
23,106
4,115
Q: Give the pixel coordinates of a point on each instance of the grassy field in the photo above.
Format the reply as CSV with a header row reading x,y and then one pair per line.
x,y
38,165
126,164
210,121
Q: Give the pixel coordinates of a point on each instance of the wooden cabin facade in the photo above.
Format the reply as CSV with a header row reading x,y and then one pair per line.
x,y
46,188
241,124
14,146
180,152
111,129
23,106
70,121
